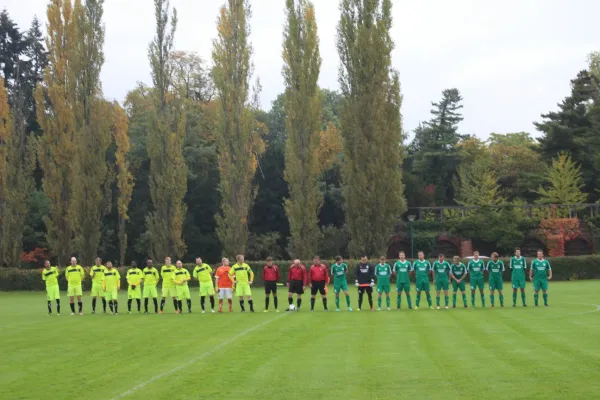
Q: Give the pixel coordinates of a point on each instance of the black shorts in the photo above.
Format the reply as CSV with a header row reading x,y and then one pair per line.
x,y
270,287
296,287
363,289
318,287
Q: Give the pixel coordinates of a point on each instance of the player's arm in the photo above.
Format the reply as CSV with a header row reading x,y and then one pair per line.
x,y
531,271
195,274
277,274
82,273
118,281
187,276
549,271
104,284
251,274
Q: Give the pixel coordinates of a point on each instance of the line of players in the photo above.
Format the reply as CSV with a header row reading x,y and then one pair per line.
x,y
106,282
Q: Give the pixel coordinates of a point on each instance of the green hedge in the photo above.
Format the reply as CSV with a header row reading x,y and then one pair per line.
x,y
563,268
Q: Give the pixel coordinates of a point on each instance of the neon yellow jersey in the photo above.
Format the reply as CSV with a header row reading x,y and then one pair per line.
x,y
151,277
50,276
181,275
112,279
134,276
203,273
97,273
166,273
74,275
242,272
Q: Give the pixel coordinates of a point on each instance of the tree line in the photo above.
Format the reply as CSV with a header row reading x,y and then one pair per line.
x,y
192,164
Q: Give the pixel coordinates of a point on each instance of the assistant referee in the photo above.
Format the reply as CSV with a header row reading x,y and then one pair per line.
x,y
270,276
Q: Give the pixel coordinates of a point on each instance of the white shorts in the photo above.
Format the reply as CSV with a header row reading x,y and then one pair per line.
x,y
225,292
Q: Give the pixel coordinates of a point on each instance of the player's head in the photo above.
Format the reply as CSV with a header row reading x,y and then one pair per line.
x,y
296,262
179,264
168,260
382,259
402,255
98,261
149,262
73,261
316,260
225,261
456,259
47,263
421,255
441,257
109,265
364,259
338,259
540,254
476,254
269,261
133,264
240,258
198,260
518,252
495,256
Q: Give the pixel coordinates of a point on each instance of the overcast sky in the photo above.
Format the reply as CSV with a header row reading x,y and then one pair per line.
x,y
512,60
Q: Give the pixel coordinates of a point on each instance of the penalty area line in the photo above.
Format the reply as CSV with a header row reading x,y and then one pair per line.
x,y
195,359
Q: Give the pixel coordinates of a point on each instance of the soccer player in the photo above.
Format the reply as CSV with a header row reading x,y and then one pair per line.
x,y
441,269
383,271
75,275
458,274
168,287
181,277
339,270
243,276
97,275
111,283
318,276
495,269
50,276
540,273
134,288
224,283
270,276
203,273
518,265
402,269
296,283
422,268
475,268
151,278
364,281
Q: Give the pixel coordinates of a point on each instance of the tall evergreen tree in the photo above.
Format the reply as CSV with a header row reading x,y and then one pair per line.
x,y
168,172
564,182
12,47
33,72
302,63
237,142
371,125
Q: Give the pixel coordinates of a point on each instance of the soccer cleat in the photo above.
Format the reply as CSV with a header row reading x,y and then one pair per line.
x,y
524,305
203,312
80,313
276,310
545,305
266,311
358,309
116,313
58,315
410,308
349,309
431,307
72,313
176,311
446,307
514,305
160,312
212,311
388,309
230,309
129,312
492,307
94,312
372,309
438,307
49,314
466,306
337,310
501,306
453,306
378,308
145,312
416,307
189,311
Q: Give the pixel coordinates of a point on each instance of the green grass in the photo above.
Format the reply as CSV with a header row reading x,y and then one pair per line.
x,y
511,353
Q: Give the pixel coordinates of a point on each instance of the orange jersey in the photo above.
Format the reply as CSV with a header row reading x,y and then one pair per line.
x,y
224,281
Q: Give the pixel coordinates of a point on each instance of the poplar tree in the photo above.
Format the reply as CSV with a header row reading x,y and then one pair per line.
x,y
371,125
302,63
237,140
168,172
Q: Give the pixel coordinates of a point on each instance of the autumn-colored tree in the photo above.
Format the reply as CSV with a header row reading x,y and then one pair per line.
x,y
237,136
302,63
371,125
330,148
168,172
564,182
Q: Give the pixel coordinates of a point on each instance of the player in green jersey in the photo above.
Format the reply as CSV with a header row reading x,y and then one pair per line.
x,y
242,276
97,274
383,271
540,273
475,268
75,275
441,270
181,277
458,274
518,265
50,277
402,269
339,270
151,278
168,287
422,268
203,273
111,283
495,268
134,286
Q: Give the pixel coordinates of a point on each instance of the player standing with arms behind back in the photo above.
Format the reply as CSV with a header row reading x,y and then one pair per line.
x,y
540,273
364,281
243,278
495,269
75,275
339,271
383,271
475,268
181,277
168,287
270,276
402,270
111,284
224,284
518,265
422,269
134,289
97,275
442,270
151,278
50,276
458,274
318,276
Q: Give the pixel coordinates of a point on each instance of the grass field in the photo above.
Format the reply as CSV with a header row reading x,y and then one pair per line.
x,y
511,353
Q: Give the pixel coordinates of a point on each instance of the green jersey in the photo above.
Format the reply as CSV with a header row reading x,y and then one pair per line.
x,y
134,276
422,269
166,273
151,277
112,279
441,271
402,269
97,273
74,274
495,268
518,265
181,276
540,269
203,273
50,276
383,272
459,270
339,271
476,268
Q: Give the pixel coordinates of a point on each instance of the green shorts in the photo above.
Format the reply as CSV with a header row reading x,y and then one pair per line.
x,y
496,283
243,289
540,284
134,293
112,294
169,292
518,283
456,286
477,282
52,292
207,289
150,291
97,290
73,291
422,286
442,285
183,292
403,287
383,287
341,286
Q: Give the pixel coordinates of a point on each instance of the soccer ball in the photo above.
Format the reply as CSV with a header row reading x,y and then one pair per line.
x,y
292,307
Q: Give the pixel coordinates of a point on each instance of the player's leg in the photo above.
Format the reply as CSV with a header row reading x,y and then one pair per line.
x,y
514,295
115,302
361,291
79,300
313,295
249,294
446,298
290,294
418,300
239,292
345,288
211,295
408,298
323,293
536,291
299,294
336,290
267,295
492,290
369,291
379,294
274,292
544,286
428,294
481,292
438,287
398,296
129,301
229,295
163,299
176,300
387,296
523,297
221,296
473,283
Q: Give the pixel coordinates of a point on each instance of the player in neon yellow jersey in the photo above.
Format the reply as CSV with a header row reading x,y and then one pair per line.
x,y
168,287
243,277
134,288
97,274
50,276
112,285
203,273
181,277
75,275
